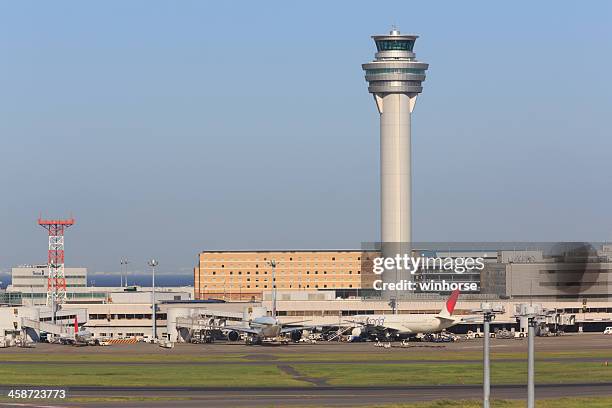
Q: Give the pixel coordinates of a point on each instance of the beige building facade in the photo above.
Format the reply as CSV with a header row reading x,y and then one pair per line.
x,y
245,275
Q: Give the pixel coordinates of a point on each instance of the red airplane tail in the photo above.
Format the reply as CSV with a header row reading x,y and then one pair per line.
x,y
449,306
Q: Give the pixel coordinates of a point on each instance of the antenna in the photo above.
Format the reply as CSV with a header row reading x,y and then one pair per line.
x,y
56,278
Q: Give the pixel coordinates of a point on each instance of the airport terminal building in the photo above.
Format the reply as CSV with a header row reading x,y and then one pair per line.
x,y
507,274
31,282
326,288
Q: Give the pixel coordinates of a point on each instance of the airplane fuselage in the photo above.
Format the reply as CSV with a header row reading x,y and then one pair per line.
x,y
407,324
268,327
267,331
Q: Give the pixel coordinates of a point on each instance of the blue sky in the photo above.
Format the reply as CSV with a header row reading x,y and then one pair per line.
x,y
167,128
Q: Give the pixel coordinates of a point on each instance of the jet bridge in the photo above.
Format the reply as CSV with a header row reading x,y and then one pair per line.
x,y
39,322
55,329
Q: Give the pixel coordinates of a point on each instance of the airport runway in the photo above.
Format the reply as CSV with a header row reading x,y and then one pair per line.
x,y
312,396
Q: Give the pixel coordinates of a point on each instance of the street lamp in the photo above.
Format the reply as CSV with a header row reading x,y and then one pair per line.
x,y
124,262
533,314
153,263
488,313
273,264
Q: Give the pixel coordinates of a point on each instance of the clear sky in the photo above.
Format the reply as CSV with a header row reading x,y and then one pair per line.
x,y
167,128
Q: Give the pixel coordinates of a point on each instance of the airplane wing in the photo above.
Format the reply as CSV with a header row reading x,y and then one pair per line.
x,y
354,321
361,323
297,321
471,319
290,329
371,326
447,319
238,329
457,319
287,329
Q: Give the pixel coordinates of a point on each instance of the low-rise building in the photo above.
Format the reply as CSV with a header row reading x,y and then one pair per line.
x,y
31,282
245,275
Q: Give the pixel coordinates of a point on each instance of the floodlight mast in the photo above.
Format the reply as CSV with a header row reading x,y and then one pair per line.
x,y
273,264
531,364
488,312
124,263
153,263
533,313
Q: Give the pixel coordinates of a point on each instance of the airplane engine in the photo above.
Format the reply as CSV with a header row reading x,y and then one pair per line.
x,y
233,336
356,332
296,335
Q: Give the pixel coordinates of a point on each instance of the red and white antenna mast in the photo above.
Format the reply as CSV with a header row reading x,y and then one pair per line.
x,y
56,279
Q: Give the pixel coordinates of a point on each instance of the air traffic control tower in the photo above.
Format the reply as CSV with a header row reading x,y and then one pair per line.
x,y
395,79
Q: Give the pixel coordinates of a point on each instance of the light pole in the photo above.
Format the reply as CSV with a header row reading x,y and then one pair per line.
x,y
153,263
273,264
531,364
124,262
488,312
533,313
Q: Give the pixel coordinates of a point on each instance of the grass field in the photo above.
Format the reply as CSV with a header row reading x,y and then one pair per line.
x,y
123,358
270,375
427,355
543,403
147,375
409,355
436,373
322,368
585,402
308,366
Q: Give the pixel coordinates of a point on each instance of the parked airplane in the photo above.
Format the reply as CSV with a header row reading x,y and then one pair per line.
x,y
258,326
407,325
79,337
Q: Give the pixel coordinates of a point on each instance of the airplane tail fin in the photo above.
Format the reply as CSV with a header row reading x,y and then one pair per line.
x,y
76,324
449,306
